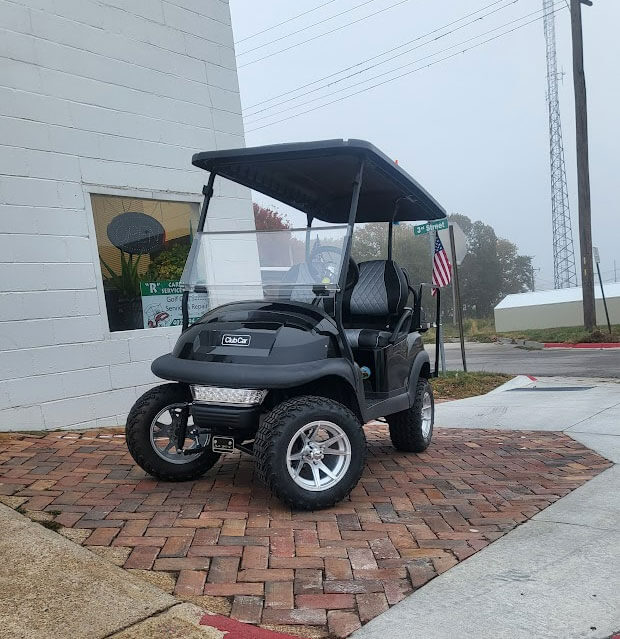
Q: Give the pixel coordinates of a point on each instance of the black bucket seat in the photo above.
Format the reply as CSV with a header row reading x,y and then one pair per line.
x,y
374,305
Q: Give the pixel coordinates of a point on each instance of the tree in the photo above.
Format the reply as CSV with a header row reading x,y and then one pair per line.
x,y
269,219
276,249
412,253
491,269
516,269
481,279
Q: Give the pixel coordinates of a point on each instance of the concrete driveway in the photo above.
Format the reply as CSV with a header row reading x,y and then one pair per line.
x,y
504,358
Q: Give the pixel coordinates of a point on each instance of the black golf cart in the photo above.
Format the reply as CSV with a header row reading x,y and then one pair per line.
x,y
301,345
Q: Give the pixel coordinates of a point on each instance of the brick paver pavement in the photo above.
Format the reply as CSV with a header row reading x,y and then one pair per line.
x,y
410,518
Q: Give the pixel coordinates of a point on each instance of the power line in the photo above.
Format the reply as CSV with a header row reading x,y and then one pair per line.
x,y
320,35
403,66
379,55
305,28
453,55
275,26
402,53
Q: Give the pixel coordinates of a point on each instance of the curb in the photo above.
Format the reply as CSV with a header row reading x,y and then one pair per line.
x,y
520,381
238,630
584,345
527,343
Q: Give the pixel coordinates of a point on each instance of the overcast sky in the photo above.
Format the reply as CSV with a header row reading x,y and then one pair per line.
x,y
473,129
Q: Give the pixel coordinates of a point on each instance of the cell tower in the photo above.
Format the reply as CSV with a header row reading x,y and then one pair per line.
x,y
564,272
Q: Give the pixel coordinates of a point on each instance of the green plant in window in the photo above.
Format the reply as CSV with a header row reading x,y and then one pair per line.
x,y
127,281
167,265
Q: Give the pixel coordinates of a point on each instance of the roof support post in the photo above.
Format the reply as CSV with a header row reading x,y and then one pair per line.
x,y
207,191
343,343
357,187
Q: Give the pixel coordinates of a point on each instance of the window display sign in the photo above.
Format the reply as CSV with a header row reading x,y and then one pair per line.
x,y
143,241
161,304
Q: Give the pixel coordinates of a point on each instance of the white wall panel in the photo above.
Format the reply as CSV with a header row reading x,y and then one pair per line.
x,y
97,96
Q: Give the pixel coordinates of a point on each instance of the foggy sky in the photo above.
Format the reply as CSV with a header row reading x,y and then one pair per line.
x,y
473,130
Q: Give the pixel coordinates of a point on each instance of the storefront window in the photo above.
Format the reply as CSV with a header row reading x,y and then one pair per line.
x,y
143,245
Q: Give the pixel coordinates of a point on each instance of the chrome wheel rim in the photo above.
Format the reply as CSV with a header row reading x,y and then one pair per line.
x,y
163,436
318,456
427,415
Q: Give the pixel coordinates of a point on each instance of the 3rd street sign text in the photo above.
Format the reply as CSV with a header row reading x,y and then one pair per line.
x,y
429,227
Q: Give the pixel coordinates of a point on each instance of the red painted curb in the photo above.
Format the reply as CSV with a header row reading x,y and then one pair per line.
x,y
238,630
588,345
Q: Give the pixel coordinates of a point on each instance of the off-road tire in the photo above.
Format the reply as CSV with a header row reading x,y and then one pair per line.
x,y
274,436
137,433
406,427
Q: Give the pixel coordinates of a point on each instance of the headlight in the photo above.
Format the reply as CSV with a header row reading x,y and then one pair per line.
x,y
217,395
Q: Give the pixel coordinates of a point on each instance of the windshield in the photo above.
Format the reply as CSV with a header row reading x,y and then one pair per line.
x,y
301,265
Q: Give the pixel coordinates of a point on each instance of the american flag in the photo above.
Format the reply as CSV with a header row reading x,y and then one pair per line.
x,y
442,269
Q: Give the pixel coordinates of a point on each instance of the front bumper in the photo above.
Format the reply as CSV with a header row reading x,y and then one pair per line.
x,y
263,375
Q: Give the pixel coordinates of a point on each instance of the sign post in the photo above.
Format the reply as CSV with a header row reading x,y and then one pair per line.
x,y
597,259
457,299
457,258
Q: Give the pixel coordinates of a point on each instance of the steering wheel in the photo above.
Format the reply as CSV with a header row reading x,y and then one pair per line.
x,y
324,265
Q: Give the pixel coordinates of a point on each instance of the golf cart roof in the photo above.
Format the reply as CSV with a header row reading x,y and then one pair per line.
x,y
317,178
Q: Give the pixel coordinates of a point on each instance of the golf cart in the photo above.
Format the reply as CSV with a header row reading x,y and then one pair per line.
x,y
291,361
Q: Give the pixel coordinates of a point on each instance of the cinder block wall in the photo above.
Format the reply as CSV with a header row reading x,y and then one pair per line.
x,y
106,96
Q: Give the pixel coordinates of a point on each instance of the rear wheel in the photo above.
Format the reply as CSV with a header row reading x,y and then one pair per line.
x,y
411,430
152,435
310,452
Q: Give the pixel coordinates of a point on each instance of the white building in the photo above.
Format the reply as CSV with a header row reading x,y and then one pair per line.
x,y
102,103
552,309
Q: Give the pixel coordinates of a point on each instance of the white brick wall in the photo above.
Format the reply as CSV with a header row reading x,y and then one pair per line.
x,y
107,96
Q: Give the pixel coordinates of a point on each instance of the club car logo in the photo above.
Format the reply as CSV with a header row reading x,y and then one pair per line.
x,y
236,340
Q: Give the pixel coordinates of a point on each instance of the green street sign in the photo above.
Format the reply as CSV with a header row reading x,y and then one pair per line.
x,y
429,227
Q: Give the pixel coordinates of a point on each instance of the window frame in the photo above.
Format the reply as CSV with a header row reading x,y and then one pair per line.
x,y
144,194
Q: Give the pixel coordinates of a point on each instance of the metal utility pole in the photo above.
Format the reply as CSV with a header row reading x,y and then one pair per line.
x,y
564,271
583,167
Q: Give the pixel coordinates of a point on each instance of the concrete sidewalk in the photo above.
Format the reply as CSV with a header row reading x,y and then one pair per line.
x,y
557,575
52,587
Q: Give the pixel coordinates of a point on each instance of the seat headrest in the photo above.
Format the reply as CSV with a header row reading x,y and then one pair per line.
x,y
381,290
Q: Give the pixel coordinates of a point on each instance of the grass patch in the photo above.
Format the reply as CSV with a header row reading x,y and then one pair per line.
x,y
483,330
459,385
568,334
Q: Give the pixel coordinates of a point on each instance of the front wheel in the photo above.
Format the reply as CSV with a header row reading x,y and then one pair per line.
x,y
151,434
310,452
411,430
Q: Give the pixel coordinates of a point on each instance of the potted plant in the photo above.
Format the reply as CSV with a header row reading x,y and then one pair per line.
x,y
134,234
122,293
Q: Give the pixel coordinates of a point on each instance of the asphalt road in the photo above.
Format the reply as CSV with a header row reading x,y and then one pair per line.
x,y
502,358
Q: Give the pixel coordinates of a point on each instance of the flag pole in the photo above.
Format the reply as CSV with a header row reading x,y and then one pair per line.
x,y
457,295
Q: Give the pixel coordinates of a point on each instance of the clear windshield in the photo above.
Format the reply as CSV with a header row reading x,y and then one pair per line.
x,y
301,265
